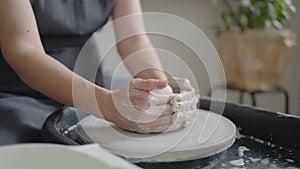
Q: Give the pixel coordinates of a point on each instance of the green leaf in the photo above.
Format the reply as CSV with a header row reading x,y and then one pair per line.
x,y
260,14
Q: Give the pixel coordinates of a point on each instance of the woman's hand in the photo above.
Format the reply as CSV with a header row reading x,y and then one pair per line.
x,y
184,98
135,107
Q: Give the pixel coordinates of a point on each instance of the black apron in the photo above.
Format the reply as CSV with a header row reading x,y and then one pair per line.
x,y
64,27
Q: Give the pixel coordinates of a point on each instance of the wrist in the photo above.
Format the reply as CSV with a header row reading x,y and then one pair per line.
x,y
152,74
105,104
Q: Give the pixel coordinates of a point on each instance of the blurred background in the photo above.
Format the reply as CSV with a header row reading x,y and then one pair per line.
x,y
205,16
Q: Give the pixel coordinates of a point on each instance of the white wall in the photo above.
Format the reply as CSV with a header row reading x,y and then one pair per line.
x,y
291,79
199,13
204,16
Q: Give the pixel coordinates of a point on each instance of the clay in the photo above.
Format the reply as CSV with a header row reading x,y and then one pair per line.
x,y
241,150
164,91
239,162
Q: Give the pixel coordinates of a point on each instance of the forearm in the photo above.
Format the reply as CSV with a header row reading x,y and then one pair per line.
x,y
22,49
48,76
134,45
45,75
141,58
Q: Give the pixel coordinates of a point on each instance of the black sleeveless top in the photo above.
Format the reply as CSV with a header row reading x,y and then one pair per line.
x,y
64,27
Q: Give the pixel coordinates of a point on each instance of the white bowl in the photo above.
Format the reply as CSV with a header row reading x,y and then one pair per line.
x,y
51,156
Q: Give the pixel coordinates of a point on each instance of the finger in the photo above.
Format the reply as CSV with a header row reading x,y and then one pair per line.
x,y
180,84
151,114
146,99
185,105
139,97
148,84
183,96
161,110
156,104
156,99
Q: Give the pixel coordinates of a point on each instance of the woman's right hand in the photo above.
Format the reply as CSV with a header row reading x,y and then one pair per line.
x,y
135,107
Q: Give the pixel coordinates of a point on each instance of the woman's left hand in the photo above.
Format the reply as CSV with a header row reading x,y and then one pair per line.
x,y
184,97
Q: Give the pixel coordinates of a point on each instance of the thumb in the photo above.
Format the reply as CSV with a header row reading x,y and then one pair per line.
x,y
148,84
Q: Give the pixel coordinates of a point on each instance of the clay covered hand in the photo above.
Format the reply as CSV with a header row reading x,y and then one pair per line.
x,y
136,108
184,98
150,106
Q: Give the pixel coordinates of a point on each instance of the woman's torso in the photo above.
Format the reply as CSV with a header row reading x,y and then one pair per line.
x,y
64,27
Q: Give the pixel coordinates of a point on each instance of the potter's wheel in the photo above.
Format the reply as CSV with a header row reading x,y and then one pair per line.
x,y
207,135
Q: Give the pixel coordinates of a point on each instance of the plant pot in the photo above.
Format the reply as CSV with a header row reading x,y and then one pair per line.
x,y
255,59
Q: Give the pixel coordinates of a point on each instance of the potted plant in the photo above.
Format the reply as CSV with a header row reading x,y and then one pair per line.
x,y
254,43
